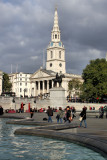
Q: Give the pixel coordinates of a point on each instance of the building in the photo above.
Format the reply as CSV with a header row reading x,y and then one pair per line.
x,y
21,84
1,75
41,80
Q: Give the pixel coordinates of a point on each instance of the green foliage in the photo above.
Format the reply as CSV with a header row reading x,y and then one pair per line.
x,y
74,84
6,83
95,79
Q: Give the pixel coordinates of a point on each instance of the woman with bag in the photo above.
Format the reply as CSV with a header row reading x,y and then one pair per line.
x,y
83,115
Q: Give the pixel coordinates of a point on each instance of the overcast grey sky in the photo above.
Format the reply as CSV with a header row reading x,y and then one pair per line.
x,y
25,31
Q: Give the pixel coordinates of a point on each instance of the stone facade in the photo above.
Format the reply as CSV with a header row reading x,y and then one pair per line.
x,y
20,84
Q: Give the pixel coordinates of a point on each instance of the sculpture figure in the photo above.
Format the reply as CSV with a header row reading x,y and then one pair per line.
x,y
58,79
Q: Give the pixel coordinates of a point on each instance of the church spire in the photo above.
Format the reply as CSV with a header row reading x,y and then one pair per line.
x,y
56,51
55,36
56,26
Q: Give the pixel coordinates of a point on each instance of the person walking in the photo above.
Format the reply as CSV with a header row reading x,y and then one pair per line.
x,y
73,112
60,115
68,114
50,114
31,112
83,115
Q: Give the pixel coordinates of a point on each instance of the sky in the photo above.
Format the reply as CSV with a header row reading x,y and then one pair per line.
x,y
25,32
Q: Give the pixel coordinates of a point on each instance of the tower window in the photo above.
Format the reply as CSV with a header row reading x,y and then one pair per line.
x,y
51,54
55,36
60,54
50,64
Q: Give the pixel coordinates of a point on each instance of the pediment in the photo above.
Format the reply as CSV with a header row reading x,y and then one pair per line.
x,y
39,74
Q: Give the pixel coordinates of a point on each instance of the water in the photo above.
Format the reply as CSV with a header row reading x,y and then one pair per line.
x,y
36,148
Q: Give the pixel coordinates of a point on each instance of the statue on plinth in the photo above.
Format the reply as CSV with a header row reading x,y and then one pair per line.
x,y
58,79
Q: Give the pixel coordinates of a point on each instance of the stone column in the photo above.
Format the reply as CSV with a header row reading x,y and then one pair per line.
x,y
57,84
43,86
48,86
52,84
38,87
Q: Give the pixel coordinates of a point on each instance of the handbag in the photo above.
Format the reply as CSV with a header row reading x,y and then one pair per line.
x,y
70,119
58,116
80,119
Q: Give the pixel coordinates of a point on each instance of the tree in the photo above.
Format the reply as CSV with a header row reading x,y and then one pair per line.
x,y
7,85
95,80
75,85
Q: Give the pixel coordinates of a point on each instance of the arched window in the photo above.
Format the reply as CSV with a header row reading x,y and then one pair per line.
x,y
60,54
51,54
55,36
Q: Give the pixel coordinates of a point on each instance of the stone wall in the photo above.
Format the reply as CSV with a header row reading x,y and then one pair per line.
x,y
7,103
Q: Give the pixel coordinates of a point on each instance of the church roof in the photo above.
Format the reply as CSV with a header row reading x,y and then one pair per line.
x,y
49,72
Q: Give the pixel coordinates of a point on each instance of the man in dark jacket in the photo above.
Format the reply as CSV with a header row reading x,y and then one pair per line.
x,y
68,114
83,115
50,114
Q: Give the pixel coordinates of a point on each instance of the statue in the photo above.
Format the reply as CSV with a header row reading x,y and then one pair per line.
x,y
58,79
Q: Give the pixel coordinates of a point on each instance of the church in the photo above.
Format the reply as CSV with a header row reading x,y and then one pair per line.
x,y
41,80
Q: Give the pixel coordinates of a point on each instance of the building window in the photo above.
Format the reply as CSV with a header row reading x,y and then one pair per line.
x,y
60,54
51,54
20,79
60,64
58,36
20,84
50,64
20,74
55,36
20,89
25,84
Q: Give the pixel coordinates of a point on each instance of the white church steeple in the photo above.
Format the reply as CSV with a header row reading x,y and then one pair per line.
x,y
55,35
56,51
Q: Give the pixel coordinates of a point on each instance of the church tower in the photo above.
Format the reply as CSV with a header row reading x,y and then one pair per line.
x,y
56,51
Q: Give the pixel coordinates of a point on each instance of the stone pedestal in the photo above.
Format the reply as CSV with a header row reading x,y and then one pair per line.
x,y
57,97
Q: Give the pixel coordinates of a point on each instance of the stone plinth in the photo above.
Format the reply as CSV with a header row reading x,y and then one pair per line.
x,y
57,97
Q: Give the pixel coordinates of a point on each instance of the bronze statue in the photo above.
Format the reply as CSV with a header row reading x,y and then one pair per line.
x,y
58,79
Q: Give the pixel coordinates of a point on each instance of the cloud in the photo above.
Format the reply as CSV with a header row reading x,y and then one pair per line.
x,y
25,31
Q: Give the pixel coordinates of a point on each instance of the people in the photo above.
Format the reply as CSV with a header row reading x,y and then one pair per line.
x,y
50,114
60,115
101,111
83,115
73,112
1,110
31,112
68,114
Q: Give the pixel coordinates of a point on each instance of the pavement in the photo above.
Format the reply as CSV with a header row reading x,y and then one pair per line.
x,y
94,136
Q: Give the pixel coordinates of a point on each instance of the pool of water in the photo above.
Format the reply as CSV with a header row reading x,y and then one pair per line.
x,y
23,147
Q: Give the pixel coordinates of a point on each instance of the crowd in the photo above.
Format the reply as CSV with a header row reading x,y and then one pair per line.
x,y
67,115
